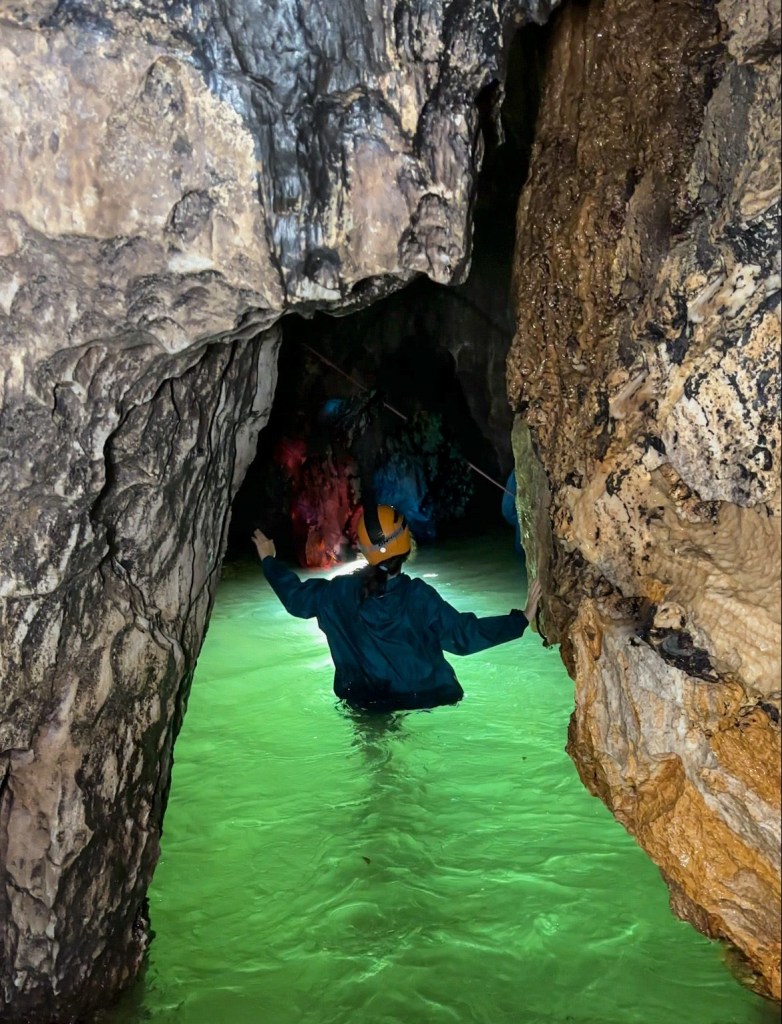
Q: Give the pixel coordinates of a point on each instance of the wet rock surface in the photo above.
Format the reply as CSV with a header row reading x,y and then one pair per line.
x,y
175,178
645,378
99,647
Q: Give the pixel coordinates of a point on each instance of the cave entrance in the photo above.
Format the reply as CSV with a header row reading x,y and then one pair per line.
x,y
433,354
379,389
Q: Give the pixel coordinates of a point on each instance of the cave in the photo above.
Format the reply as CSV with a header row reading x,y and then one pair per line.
x,y
412,351
561,221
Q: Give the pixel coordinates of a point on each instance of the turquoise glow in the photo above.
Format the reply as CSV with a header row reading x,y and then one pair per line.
x,y
441,867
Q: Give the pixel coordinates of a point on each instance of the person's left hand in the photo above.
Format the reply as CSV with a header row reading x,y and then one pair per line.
x,y
533,597
263,545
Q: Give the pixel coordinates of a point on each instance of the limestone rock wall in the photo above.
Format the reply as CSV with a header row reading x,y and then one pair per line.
x,y
645,375
100,641
175,177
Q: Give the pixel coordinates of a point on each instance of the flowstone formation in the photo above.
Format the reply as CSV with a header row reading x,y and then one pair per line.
x,y
175,178
645,372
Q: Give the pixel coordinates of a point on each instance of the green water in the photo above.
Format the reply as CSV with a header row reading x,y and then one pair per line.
x,y
444,867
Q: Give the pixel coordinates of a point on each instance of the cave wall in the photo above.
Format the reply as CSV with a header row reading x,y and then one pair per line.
x,y
100,642
645,378
175,178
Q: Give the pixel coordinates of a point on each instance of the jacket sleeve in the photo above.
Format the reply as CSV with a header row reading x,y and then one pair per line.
x,y
467,633
299,598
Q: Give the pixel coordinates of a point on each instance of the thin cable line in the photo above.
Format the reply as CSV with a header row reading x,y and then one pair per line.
x,y
396,412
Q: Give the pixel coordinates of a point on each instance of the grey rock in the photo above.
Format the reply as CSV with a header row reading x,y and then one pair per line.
x,y
175,179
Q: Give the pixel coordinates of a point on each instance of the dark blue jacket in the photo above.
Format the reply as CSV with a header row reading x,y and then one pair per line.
x,y
388,649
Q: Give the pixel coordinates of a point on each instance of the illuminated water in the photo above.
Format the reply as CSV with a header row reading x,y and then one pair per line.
x,y
447,868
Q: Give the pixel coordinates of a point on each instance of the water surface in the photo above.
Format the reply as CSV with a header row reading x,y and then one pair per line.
x,y
440,867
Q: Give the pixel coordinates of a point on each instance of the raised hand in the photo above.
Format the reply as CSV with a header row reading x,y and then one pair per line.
x,y
263,544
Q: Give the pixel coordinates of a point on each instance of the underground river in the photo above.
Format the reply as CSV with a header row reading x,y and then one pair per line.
x,y
442,867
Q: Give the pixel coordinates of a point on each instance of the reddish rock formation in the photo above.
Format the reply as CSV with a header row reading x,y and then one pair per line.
x,y
645,376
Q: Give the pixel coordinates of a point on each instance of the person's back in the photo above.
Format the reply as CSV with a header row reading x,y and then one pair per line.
x,y
387,632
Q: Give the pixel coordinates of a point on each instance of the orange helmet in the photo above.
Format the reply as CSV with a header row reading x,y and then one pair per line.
x,y
382,533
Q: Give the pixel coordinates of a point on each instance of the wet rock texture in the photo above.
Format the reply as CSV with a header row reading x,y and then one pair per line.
x,y
175,177
645,376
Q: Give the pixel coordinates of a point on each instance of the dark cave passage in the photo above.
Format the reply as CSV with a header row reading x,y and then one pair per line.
x,y
407,415
413,384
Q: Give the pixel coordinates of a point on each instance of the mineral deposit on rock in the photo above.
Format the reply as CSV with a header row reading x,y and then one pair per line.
x,y
645,375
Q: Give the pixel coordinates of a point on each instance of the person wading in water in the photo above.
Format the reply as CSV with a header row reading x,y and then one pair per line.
x,y
386,631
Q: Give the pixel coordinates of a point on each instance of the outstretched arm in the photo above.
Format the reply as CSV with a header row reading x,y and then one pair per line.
x,y
467,633
297,597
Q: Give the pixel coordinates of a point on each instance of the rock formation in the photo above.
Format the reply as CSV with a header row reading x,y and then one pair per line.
x,y
175,177
645,376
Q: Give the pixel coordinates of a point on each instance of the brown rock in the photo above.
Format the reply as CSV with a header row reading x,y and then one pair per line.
x,y
646,367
